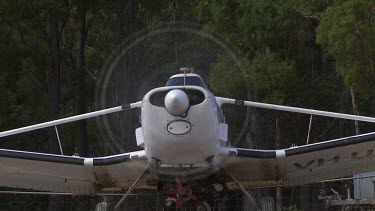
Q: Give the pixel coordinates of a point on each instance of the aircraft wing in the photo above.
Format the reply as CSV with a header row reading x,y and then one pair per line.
x,y
302,165
69,174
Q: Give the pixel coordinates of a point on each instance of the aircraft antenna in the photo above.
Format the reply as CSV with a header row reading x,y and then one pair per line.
x,y
184,70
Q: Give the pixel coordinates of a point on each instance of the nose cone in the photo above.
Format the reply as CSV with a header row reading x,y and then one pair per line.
x,y
176,102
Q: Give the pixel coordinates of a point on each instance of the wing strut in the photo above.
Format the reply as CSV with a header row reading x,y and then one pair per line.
x,y
71,119
58,140
129,191
252,199
220,101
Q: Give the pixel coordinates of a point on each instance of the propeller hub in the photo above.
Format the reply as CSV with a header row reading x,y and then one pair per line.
x,y
182,191
176,102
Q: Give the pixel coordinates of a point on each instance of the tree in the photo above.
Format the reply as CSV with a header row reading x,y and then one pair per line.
x,y
347,31
53,81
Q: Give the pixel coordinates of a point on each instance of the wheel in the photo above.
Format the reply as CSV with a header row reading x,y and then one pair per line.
x,y
101,206
203,206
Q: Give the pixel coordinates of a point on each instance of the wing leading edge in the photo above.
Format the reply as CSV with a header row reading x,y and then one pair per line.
x,y
305,164
293,166
68,174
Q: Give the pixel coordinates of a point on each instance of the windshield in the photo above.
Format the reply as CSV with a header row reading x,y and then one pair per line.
x,y
189,81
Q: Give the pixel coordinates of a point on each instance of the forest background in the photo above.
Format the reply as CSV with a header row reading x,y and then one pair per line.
x,y
311,54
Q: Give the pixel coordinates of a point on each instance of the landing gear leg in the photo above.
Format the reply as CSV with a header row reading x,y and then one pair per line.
x,y
118,205
252,199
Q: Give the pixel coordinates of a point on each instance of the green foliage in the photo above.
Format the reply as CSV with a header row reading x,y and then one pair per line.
x,y
227,78
251,25
281,62
308,9
347,31
272,77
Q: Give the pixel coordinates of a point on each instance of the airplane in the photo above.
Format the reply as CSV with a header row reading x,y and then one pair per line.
x,y
186,149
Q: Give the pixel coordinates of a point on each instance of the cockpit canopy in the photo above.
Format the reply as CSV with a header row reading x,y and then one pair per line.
x,y
190,80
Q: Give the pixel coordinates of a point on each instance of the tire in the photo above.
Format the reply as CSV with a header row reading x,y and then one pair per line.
x,y
203,206
101,206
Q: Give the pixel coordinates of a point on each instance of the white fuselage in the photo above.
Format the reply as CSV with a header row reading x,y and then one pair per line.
x,y
185,146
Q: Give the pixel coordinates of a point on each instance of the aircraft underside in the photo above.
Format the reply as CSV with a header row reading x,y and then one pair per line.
x,y
197,187
200,191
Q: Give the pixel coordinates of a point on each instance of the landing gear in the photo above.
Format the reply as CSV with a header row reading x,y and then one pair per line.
x,y
195,195
102,206
123,198
250,197
203,206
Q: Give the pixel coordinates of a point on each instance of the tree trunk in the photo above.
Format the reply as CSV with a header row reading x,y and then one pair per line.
x,y
355,108
277,131
127,82
82,145
53,82
279,202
